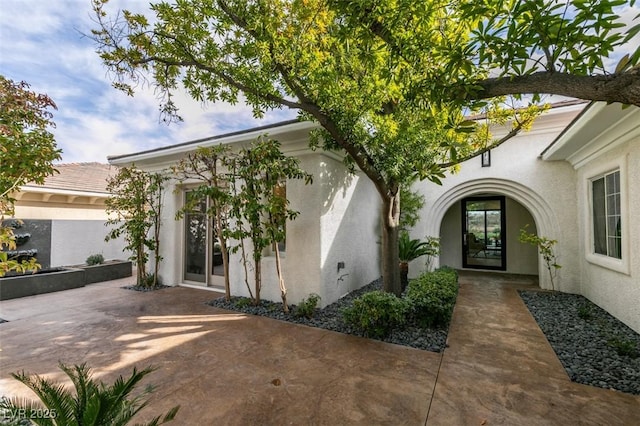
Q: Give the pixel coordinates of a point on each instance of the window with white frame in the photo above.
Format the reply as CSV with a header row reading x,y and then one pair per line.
x,y
607,216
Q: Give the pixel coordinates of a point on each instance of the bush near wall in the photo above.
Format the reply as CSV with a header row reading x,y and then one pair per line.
x,y
432,296
428,302
376,313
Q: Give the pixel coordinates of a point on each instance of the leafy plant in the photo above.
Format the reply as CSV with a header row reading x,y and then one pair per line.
x,y
432,296
27,152
545,248
624,347
243,302
584,312
376,314
307,307
93,403
411,249
95,259
136,206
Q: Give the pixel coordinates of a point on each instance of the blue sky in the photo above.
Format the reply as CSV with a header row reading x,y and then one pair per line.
x,y
42,43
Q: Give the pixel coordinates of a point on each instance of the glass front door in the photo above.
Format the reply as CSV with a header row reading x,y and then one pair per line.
x,y
483,236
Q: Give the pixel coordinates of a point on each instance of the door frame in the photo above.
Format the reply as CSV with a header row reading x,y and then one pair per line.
x,y
503,233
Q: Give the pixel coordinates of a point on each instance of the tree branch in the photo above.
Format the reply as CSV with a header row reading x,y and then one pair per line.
x,y
474,154
621,87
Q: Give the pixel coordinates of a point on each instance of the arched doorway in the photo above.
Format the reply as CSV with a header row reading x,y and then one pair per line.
x,y
522,206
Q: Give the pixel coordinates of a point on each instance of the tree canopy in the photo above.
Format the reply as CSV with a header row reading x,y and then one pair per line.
x,y
390,83
27,153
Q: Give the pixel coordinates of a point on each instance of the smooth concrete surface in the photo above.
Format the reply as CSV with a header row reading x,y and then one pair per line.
x,y
227,368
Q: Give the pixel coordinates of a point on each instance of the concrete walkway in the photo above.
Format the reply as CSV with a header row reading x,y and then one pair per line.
x,y
228,368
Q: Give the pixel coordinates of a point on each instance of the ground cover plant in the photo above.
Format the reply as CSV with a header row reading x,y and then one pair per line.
x,y
370,312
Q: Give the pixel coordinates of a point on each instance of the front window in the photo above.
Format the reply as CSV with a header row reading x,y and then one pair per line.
x,y
607,218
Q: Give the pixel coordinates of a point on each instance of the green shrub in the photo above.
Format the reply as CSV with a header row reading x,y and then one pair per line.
x,y
584,312
624,347
95,259
376,313
431,297
307,307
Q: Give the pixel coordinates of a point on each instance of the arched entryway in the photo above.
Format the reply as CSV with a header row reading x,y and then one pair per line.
x,y
482,204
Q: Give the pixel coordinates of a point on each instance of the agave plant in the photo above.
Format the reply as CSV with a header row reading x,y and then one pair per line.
x,y
93,404
411,249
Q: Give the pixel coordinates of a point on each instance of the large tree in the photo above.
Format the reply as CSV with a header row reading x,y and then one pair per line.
x,y
388,82
27,153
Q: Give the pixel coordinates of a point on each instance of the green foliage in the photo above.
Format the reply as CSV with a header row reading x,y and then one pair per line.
x,y
376,314
259,211
243,302
93,403
584,312
411,249
432,297
95,259
389,82
411,203
625,347
134,209
546,248
307,307
27,153
208,165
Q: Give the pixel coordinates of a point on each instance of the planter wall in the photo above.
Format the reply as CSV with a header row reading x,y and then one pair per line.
x,y
107,271
40,283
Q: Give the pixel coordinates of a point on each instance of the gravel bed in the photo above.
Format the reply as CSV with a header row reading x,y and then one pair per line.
x,y
144,289
330,318
594,347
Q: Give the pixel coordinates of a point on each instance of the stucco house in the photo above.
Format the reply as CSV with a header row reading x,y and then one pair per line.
x,y
570,179
65,216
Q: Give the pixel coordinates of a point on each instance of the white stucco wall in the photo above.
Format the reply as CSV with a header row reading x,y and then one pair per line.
x,y
338,222
349,230
72,241
546,189
615,289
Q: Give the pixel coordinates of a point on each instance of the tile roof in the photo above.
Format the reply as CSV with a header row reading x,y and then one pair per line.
x,y
85,177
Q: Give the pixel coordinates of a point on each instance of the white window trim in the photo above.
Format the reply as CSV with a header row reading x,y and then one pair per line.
x,y
618,265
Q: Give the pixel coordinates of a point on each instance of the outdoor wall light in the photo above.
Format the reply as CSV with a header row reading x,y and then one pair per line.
x,y
486,159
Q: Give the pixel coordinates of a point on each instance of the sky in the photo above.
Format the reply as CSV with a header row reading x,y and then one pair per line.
x,y
42,42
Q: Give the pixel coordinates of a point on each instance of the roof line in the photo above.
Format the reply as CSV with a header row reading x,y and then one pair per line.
x,y
568,127
209,138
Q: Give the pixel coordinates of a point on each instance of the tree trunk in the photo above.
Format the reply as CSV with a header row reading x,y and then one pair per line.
x,y
404,274
390,250
283,289
258,278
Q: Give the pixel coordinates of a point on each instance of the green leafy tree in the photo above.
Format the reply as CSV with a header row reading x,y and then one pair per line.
x,y
93,404
259,209
27,153
135,208
208,165
388,82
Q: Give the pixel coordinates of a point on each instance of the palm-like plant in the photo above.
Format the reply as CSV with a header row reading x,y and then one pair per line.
x,y
93,404
410,249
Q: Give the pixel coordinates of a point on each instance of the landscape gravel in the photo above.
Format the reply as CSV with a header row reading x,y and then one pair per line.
x,y
594,347
330,318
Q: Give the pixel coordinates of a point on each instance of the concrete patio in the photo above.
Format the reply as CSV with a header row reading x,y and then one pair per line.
x,y
232,369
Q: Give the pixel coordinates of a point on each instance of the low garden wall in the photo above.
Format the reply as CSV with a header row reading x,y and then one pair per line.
x,y
58,279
